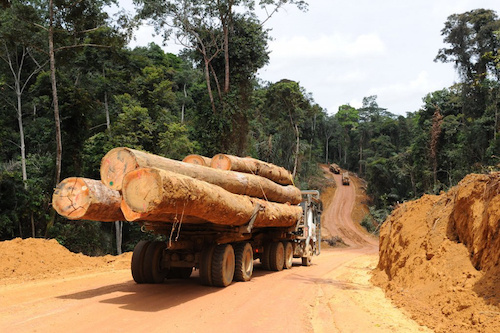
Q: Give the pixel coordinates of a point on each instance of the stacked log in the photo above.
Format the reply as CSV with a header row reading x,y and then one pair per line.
x,y
120,161
197,159
87,199
138,186
270,171
159,192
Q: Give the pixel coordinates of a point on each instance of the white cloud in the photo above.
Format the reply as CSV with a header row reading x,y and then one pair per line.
x,y
350,76
328,46
419,84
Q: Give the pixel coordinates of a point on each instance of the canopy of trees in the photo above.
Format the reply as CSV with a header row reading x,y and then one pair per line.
x,y
207,100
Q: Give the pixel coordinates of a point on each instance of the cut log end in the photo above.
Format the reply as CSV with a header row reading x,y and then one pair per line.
x,y
221,161
142,189
115,165
71,198
198,160
129,214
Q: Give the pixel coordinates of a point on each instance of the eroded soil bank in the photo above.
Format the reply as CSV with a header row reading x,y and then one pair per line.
x,y
439,257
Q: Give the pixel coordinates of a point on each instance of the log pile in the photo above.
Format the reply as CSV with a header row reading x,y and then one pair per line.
x,y
224,190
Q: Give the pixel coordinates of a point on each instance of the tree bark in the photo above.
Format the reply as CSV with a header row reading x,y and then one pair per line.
x,y
119,161
160,192
197,159
253,166
87,199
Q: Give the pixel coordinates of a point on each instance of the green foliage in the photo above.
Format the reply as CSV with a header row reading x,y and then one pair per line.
x,y
175,143
12,198
81,237
167,104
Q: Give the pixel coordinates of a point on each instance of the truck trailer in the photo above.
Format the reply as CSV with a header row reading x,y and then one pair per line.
x,y
226,253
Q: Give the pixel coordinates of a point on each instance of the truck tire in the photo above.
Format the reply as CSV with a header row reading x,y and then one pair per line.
x,y
288,263
276,256
264,257
206,265
153,268
307,259
223,265
180,272
137,263
243,254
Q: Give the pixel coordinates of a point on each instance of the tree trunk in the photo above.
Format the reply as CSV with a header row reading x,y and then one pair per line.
x,y
160,192
119,233
21,135
55,100
253,166
361,155
87,199
33,231
326,150
183,104
119,161
106,109
209,86
297,150
216,80
197,159
226,57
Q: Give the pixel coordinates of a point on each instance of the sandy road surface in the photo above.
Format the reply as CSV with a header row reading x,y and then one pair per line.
x,y
333,295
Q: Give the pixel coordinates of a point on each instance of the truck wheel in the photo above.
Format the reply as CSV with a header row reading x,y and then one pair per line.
x,y
206,266
276,256
180,272
288,255
137,263
153,269
264,257
306,261
243,253
223,265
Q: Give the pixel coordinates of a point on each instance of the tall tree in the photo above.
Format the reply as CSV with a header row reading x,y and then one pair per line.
x,y
473,44
205,26
16,52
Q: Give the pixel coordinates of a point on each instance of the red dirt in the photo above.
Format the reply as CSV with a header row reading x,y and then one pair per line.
x,y
46,288
25,260
439,257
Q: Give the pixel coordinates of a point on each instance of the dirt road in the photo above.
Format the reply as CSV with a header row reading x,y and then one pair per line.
x,y
333,295
337,216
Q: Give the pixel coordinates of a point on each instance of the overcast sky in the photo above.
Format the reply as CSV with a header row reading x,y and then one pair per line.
x,y
342,51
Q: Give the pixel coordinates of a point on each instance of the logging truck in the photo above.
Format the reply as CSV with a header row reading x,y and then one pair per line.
x,y
215,215
222,254
345,178
334,168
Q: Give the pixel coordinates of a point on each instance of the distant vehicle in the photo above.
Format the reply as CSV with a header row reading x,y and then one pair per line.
x,y
334,168
345,178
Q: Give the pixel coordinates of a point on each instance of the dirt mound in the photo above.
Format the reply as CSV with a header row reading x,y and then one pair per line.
x,y
439,257
33,259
